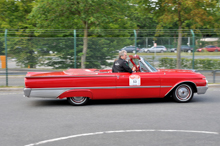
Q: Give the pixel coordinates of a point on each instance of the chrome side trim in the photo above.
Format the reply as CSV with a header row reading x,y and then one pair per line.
x,y
110,87
202,89
123,87
73,76
55,92
165,86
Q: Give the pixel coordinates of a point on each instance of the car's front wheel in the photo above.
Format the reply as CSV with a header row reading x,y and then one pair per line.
x,y
183,93
77,100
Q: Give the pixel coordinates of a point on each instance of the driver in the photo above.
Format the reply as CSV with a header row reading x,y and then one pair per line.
x,y
121,65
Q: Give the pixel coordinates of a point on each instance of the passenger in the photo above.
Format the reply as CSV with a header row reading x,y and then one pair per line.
x,y
121,65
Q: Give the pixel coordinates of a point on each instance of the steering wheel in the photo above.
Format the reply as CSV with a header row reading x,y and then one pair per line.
x,y
137,68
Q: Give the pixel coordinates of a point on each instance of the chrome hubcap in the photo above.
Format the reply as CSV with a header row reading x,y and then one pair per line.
x,y
183,93
78,99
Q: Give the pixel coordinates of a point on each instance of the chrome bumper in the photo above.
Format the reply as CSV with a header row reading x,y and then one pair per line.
x,y
202,89
27,92
43,92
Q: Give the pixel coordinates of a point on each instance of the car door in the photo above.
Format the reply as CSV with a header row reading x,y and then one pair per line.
x,y
158,49
183,48
211,48
152,50
138,85
102,86
129,49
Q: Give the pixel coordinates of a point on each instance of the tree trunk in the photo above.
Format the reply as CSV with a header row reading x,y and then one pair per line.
x,y
85,46
178,65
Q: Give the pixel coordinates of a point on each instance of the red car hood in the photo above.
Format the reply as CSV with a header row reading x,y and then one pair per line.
x,y
176,70
182,73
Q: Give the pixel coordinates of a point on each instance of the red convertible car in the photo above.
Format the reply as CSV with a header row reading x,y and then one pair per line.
x,y
79,86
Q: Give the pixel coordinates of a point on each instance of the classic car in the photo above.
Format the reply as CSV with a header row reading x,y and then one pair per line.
x,y
79,86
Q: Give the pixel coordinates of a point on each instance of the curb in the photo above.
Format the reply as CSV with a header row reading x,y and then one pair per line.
x,y
11,89
214,85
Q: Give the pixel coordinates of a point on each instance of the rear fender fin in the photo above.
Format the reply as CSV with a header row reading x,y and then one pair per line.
x,y
76,93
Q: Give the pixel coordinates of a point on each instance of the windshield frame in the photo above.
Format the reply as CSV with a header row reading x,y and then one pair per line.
x,y
148,65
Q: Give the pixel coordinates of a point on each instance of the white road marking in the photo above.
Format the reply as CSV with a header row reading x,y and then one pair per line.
x,y
119,131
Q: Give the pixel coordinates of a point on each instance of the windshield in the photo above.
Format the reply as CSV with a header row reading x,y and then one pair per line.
x,y
150,66
135,61
144,65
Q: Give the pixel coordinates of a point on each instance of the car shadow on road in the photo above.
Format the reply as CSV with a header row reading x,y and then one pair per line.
x,y
64,102
130,101
48,102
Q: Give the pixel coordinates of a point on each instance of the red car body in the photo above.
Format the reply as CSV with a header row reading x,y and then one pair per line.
x,y
79,85
209,49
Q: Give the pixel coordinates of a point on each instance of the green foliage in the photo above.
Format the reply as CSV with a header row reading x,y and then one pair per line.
x,y
99,50
184,13
199,64
56,20
2,46
14,14
24,50
167,62
81,14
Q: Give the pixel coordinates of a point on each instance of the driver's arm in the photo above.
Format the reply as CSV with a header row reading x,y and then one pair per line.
x,y
126,67
133,68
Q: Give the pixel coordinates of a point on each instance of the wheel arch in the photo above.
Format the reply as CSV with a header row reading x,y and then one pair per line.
x,y
76,93
192,84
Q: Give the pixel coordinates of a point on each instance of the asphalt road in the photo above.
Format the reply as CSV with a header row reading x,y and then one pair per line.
x,y
143,122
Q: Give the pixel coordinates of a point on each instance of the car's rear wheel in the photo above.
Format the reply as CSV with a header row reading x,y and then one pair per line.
x,y
77,100
183,93
161,51
216,50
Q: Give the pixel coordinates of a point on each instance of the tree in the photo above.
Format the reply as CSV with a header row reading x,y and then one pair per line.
x,y
184,14
78,14
13,16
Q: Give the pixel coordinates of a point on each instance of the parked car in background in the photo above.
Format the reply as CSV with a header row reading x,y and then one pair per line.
x,y
141,50
209,48
130,49
160,49
146,49
184,48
